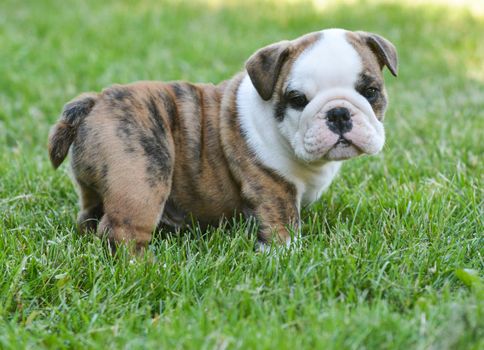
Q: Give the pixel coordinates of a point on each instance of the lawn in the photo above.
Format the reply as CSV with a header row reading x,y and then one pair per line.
x,y
392,254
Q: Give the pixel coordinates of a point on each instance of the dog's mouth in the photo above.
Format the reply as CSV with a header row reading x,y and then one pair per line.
x,y
343,141
343,149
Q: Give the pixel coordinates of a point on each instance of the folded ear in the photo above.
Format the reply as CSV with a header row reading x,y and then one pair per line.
x,y
264,67
384,50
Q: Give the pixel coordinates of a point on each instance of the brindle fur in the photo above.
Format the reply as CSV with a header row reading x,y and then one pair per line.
x,y
143,146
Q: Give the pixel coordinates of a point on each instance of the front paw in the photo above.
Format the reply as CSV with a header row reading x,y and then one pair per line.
x,y
292,243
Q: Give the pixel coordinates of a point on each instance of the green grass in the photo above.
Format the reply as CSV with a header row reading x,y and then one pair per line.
x,y
383,250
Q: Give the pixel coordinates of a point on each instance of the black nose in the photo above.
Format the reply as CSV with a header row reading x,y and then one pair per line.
x,y
339,120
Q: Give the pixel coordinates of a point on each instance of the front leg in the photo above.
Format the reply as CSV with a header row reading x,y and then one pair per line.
x,y
278,221
274,203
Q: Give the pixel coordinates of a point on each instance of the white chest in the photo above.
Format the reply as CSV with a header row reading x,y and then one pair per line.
x,y
316,182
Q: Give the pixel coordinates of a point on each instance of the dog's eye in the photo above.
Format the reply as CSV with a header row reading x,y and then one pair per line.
x,y
371,94
297,99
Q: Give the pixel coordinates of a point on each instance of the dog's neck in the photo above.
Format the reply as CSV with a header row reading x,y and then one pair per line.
x,y
261,131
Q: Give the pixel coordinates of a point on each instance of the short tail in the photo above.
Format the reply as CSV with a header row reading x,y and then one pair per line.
x,y
64,131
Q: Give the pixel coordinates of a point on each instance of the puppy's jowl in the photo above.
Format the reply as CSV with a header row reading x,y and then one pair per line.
x,y
264,143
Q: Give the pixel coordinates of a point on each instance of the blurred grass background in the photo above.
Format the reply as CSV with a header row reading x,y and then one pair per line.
x,y
385,251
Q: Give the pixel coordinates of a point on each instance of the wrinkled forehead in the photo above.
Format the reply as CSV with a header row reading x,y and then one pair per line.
x,y
331,61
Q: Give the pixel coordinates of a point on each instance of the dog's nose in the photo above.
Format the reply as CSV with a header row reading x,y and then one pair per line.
x,y
339,120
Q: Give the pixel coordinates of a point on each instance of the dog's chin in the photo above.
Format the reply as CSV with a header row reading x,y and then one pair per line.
x,y
343,151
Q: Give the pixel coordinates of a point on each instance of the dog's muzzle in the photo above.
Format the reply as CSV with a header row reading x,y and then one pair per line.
x,y
339,124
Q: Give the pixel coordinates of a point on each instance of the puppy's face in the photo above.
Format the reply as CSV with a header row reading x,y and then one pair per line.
x,y
327,92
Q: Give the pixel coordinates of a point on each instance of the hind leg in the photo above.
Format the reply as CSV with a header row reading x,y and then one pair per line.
x,y
127,147
91,209
132,208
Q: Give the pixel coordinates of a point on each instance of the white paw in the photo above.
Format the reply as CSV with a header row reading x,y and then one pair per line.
x,y
273,248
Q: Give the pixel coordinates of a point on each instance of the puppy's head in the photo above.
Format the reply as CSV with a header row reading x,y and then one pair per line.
x,y
326,90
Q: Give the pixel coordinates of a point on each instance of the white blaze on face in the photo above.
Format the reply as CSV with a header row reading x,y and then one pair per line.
x,y
327,73
331,62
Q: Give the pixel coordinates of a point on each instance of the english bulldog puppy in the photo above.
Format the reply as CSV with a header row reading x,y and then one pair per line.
x,y
263,144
